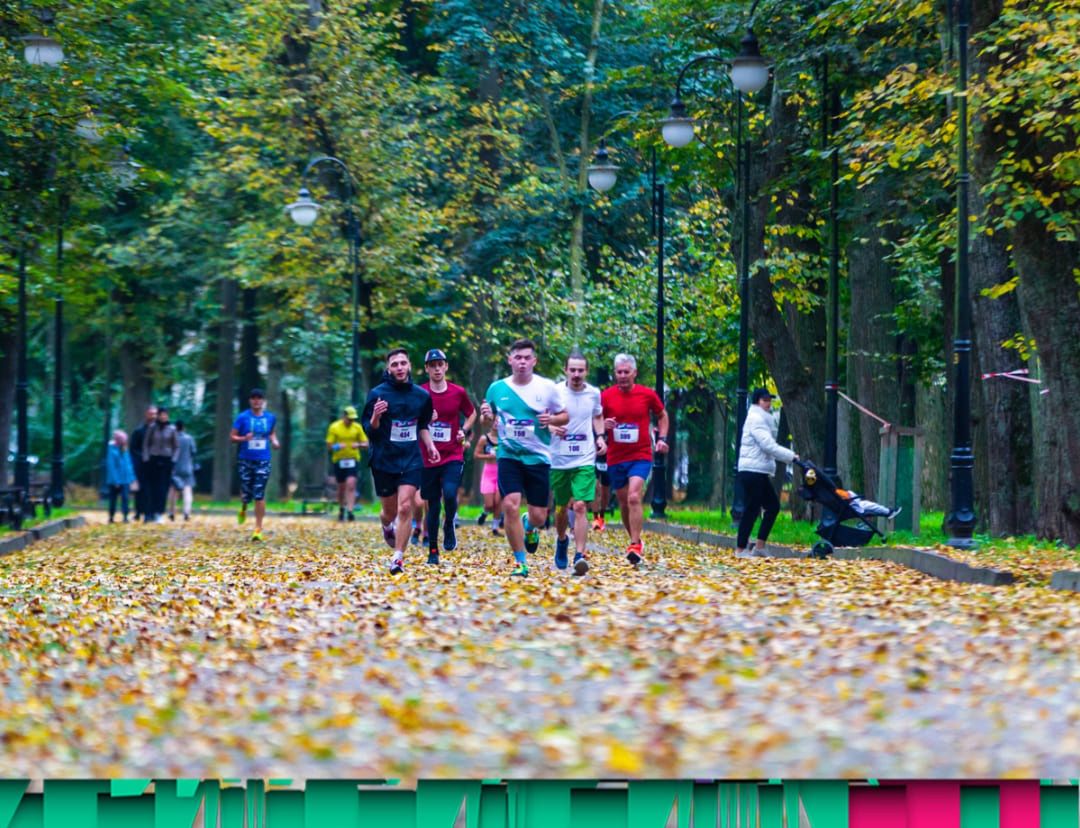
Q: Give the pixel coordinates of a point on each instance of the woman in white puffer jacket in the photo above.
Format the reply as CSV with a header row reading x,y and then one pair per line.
x,y
758,453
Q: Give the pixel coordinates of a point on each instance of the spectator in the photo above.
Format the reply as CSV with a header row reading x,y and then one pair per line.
x,y
183,473
138,436
758,453
119,474
160,447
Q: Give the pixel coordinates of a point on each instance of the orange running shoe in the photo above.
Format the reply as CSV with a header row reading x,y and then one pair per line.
x,y
598,523
633,553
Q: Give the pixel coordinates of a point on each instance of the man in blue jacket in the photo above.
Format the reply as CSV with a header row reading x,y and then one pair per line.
x,y
396,419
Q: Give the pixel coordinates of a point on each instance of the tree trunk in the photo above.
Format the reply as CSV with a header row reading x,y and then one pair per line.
x,y
8,347
1002,421
138,387
249,349
226,382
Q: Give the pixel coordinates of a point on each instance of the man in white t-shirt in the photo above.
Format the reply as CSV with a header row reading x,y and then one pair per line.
x,y
574,448
526,407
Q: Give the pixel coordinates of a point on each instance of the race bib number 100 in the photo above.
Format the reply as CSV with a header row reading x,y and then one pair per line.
x,y
402,431
572,445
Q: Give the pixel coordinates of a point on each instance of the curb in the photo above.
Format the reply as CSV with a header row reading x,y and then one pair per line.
x,y
1066,579
929,563
40,532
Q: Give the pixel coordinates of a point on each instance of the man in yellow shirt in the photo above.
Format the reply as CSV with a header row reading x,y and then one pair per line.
x,y
345,438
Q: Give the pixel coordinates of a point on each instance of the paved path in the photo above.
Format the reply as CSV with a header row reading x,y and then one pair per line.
x,y
185,650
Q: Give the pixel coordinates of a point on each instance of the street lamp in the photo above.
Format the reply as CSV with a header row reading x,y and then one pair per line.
x,y
602,174
304,211
749,73
960,521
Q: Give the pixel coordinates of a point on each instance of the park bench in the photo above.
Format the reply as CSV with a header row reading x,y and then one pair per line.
x,y
321,496
18,505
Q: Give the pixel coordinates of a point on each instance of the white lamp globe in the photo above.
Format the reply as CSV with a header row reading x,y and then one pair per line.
x,y
303,211
749,72
677,132
40,50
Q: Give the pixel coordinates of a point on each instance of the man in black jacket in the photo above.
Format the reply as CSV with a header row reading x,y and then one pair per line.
x,y
396,418
135,447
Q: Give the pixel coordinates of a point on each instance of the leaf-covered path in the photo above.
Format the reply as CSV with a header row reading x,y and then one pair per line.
x,y
185,650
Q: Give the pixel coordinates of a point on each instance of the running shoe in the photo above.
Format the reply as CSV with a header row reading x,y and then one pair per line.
x,y
633,553
598,523
449,531
415,533
433,557
388,535
397,566
581,565
522,571
349,516
241,516
562,547
257,536
532,540
480,520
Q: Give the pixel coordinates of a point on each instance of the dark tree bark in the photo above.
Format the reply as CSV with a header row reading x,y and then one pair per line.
x,y
226,381
138,386
1003,435
250,376
8,345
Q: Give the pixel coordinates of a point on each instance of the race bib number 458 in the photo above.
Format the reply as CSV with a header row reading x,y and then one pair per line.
x,y
440,432
402,431
520,429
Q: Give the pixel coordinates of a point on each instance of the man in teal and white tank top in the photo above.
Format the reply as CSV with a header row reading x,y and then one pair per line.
x,y
525,406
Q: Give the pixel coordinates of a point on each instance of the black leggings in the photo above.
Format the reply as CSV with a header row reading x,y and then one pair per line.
x,y
758,496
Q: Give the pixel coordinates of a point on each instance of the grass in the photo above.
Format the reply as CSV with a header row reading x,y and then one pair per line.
x,y
56,514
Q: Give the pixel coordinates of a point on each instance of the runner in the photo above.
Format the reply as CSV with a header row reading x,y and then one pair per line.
x,y
574,449
442,478
345,438
255,430
627,410
486,448
603,494
526,406
396,418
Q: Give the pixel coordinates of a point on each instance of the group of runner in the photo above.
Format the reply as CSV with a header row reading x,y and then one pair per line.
x,y
543,439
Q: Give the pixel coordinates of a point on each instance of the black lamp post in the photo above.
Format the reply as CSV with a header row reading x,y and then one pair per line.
x,y
56,482
39,50
304,211
602,176
830,109
749,74
960,521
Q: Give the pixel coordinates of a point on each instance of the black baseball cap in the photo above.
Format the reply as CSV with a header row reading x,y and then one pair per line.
x,y
434,355
257,392
759,395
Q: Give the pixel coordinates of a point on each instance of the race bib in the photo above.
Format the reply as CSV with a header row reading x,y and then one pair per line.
x,y
257,445
440,432
573,445
601,466
348,463
626,433
520,429
402,431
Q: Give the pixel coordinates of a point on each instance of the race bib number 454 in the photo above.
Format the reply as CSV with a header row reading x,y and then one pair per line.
x,y
402,431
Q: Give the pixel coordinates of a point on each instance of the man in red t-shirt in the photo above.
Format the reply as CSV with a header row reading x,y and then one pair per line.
x,y
440,481
628,412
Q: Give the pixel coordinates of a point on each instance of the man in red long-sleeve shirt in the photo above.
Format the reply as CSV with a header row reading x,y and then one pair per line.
x,y
628,412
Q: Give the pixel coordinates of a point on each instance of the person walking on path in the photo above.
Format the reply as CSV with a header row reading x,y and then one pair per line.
x,y
758,453
255,430
119,474
138,436
574,448
441,480
486,448
183,473
628,409
396,417
526,406
159,453
345,438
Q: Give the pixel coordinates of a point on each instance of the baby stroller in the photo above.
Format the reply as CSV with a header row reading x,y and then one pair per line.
x,y
818,487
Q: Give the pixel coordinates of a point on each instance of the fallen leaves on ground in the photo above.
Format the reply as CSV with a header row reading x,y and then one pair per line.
x,y
1031,563
185,650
